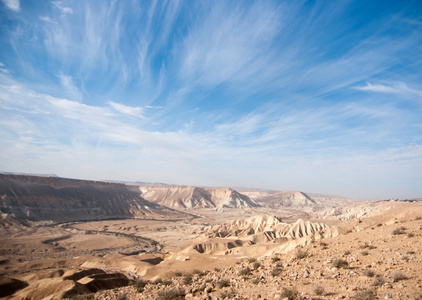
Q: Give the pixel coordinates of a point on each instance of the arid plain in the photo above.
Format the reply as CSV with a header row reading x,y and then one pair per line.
x,y
66,238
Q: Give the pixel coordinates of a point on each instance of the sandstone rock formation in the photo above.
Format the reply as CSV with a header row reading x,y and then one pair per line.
x,y
186,197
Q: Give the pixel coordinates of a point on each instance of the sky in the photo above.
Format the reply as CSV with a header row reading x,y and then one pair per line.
x,y
316,96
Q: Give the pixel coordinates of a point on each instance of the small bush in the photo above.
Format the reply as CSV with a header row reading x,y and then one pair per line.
x,y
340,263
323,244
276,272
223,283
245,271
166,282
364,253
369,273
252,260
347,252
378,281
397,276
319,290
367,294
300,254
410,234
410,252
418,218
289,293
187,279
140,285
256,265
228,294
178,274
217,269
172,294
256,280
379,224
372,247
399,230
275,259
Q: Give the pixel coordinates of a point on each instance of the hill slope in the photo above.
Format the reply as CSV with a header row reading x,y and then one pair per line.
x,y
187,197
60,199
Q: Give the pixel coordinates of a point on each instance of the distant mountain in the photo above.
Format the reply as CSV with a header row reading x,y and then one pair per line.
x,y
296,199
187,197
37,198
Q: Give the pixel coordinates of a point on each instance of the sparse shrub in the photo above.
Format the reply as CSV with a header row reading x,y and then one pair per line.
x,y
418,218
252,260
410,252
410,234
166,282
275,259
289,293
400,230
319,290
300,254
369,273
378,281
397,276
323,244
366,294
276,272
223,283
256,265
198,272
187,279
228,294
347,252
217,269
340,263
364,253
172,294
178,274
379,224
238,263
245,271
256,280
140,285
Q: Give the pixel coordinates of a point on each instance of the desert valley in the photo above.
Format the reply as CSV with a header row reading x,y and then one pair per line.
x,y
80,239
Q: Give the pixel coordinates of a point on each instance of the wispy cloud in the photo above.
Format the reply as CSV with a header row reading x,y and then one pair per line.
x,y
63,9
128,110
271,94
395,88
69,86
12,5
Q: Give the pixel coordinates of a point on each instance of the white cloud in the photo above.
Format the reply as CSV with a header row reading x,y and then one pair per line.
x,y
395,88
63,9
47,19
128,110
68,85
12,5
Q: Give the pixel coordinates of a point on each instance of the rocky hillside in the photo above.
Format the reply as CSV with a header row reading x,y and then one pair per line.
x,y
58,199
296,200
264,228
187,197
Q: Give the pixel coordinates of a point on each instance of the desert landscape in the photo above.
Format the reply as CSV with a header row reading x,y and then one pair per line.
x,y
80,239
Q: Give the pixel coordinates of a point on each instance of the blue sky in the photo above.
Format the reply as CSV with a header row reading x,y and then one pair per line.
x,y
317,96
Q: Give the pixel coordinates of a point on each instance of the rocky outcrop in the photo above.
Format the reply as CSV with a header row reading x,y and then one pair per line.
x,y
8,286
186,197
264,228
38,200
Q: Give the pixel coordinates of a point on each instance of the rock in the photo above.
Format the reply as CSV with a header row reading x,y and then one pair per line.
x,y
8,286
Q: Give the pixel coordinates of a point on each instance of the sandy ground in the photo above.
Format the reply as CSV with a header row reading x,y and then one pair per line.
x,y
41,255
